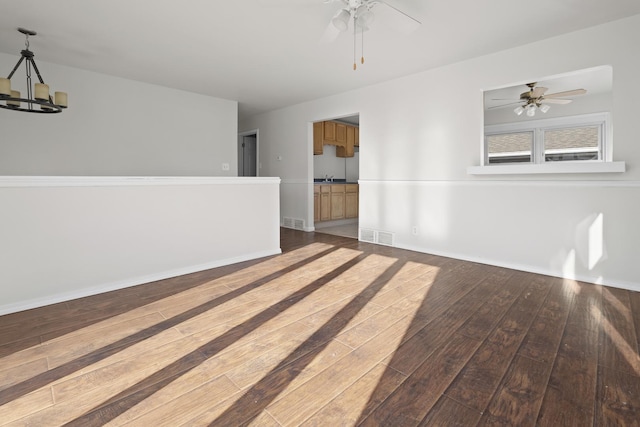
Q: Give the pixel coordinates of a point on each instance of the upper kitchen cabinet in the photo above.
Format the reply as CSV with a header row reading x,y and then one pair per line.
x,y
346,150
334,133
317,138
345,137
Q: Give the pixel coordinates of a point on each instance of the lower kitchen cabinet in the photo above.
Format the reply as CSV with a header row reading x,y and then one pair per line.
x,y
335,201
351,201
316,203
325,203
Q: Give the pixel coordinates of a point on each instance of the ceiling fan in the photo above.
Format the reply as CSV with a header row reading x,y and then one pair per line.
x,y
358,13
535,98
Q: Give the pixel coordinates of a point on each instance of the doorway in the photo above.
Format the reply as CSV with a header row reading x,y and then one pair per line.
x,y
337,168
248,153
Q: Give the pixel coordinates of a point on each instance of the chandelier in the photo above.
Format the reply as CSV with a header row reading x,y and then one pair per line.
x,y
38,99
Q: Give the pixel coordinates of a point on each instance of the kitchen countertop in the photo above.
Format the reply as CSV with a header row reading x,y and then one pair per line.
x,y
335,181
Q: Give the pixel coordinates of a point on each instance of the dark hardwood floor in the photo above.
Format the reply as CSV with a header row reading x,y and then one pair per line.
x,y
333,332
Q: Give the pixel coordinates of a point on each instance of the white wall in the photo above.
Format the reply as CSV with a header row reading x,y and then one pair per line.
x,y
115,126
420,133
69,237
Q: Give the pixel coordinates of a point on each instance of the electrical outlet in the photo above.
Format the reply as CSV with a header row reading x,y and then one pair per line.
x,y
225,166
414,230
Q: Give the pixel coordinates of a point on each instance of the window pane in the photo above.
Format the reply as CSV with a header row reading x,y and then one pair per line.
x,y
579,143
510,147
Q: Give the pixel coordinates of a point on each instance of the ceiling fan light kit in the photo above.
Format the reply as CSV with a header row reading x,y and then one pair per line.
x,y
359,11
38,98
341,20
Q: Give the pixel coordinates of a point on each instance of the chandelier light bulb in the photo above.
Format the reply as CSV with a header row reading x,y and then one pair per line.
x,y
519,110
545,107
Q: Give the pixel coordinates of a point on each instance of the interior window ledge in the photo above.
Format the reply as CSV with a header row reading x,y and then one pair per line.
x,y
556,167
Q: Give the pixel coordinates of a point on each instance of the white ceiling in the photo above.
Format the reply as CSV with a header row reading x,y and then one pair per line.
x,y
268,54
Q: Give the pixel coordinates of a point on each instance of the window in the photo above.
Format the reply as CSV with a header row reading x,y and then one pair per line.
x,y
516,147
577,138
575,143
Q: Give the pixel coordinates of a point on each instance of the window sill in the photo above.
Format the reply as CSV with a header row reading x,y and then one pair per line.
x,y
556,167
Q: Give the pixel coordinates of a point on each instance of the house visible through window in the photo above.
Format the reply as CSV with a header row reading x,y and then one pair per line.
x,y
576,143
577,138
514,147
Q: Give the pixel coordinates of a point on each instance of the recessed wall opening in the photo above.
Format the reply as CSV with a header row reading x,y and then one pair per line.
x,y
248,164
336,171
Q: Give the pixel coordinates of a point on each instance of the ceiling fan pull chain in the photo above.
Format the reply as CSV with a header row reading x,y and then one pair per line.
x,y
362,49
354,43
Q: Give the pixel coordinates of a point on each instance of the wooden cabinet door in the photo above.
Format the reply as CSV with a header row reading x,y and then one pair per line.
x,y
329,132
341,134
356,141
316,203
325,202
317,138
347,149
337,201
351,201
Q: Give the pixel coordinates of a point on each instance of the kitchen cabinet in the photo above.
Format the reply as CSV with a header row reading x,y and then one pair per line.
x,y
347,149
329,133
317,138
351,201
342,135
337,201
316,203
334,133
325,203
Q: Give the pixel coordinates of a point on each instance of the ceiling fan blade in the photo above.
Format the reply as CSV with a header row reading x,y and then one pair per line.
x,y
399,11
566,93
503,105
546,100
393,18
538,91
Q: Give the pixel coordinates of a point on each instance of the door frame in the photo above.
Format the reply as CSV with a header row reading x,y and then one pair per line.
x,y
255,132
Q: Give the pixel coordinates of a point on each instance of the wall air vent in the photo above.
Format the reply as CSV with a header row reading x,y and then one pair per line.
x,y
375,236
385,238
296,224
367,235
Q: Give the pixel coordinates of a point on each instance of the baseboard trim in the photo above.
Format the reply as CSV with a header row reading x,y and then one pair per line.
x,y
621,284
127,283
